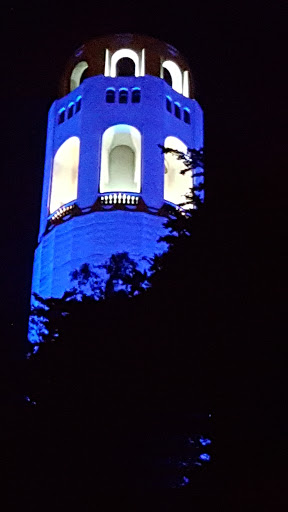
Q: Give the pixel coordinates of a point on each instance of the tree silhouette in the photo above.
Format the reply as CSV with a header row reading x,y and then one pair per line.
x,y
193,161
106,378
87,282
123,276
128,376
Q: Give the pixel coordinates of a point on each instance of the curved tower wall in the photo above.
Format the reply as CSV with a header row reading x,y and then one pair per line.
x,y
95,224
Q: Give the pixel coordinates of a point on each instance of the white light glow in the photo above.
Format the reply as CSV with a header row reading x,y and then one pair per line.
x,y
176,185
121,159
76,74
65,174
186,84
143,63
175,73
107,63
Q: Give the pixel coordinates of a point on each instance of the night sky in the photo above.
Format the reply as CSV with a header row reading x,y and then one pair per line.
x,y
236,55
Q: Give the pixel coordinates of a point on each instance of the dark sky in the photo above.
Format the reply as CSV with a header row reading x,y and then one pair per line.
x,y
236,52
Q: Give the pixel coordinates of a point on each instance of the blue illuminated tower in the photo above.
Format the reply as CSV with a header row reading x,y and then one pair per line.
x,y
106,181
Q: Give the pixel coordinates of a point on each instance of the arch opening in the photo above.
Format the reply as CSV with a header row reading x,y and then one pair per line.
x,y
121,168
71,107
78,104
65,174
121,159
172,72
61,116
167,77
187,118
110,95
124,53
169,104
177,110
136,95
123,96
125,67
77,75
84,76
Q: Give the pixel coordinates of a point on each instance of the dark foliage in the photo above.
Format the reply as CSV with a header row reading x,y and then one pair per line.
x,y
116,379
193,161
122,384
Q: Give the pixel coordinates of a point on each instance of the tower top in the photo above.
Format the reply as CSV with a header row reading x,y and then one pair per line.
x,y
107,185
99,56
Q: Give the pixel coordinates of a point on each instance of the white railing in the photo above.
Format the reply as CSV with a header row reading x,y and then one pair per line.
x,y
61,212
119,198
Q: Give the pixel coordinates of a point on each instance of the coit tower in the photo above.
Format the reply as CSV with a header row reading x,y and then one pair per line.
x,y
107,183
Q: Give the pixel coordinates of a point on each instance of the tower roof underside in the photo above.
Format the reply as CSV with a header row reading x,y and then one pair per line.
x,y
94,53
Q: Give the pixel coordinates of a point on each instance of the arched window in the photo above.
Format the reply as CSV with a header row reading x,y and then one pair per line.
x,y
187,119
169,104
136,95
177,110
78,104
123,96
171,68
70,110
121,159
176,185
61,116
125,67
77,76
65,174
110,96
